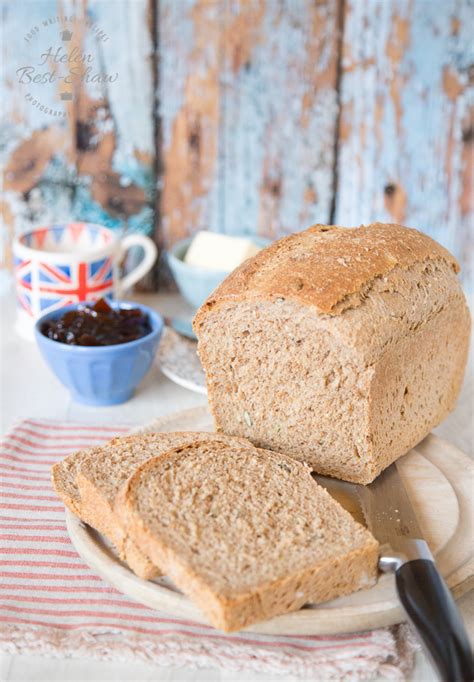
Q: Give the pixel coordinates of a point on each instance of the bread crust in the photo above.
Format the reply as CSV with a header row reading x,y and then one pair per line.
x,y
63,477
325,264
401,371
96,513
330,579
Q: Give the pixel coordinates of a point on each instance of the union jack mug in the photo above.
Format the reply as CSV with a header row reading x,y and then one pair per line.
x,y
62,264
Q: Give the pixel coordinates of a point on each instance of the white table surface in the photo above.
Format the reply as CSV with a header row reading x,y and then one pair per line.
x,y
28,389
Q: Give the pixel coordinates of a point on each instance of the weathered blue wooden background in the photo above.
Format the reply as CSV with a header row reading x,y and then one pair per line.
x,y
241,116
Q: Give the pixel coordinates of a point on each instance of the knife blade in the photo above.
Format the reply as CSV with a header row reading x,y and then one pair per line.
x,y
422,591
390,515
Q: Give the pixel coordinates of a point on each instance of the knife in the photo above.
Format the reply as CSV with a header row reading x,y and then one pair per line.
x,y
422,591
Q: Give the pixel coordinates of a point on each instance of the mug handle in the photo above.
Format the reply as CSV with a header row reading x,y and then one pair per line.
x,y
144,266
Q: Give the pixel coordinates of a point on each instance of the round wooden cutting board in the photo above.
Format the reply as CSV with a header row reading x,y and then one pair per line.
x,y
439,480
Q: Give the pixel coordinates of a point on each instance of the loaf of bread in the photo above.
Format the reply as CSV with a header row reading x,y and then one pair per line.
x,y
88,482
340,347
247,534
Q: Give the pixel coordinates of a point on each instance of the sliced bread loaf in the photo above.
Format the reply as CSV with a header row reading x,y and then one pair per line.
x,y
247,534
88,482
341,347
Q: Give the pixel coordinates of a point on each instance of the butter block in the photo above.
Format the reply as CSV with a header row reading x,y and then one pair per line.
x,y
213,251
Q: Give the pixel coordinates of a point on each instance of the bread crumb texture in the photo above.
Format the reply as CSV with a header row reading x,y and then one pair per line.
x,y
247,534
89,481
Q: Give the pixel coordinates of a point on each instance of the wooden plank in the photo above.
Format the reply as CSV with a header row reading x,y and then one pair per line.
x,y
87,155
248,113
279,114
247,116
115,144
189,109
30,136
406,135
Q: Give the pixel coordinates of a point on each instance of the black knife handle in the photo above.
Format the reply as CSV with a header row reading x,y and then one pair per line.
x,y
433,611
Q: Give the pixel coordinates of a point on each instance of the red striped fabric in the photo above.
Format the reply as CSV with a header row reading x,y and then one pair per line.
x,y
45,585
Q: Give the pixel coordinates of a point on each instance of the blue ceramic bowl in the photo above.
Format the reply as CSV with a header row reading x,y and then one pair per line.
x,y
101,375
196,284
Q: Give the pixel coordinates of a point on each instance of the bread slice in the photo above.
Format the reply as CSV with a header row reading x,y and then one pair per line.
x,y
63,478
88,482
246,534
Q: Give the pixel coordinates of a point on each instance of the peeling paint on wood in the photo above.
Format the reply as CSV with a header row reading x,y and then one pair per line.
x,y
27,162
405,150
279,114
189,98
94,158
247,95
248,109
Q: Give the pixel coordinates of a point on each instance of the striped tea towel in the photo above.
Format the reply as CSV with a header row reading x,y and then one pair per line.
x,y
52,603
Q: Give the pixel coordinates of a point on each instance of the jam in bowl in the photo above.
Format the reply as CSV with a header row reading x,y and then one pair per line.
x,y
101,351
98,325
